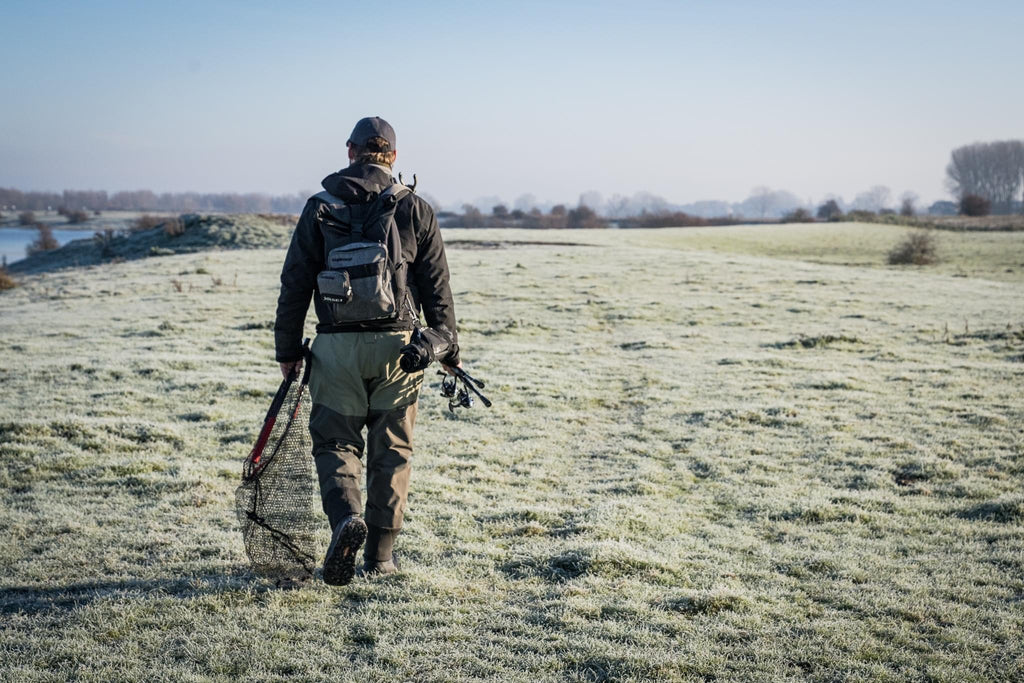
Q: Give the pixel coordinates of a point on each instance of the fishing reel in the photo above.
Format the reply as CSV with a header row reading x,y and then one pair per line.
x,y
461,397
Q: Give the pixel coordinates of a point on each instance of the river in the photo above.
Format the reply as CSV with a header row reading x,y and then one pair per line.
x,y
14,240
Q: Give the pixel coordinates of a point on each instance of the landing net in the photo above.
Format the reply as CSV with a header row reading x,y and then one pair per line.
x,y
277,503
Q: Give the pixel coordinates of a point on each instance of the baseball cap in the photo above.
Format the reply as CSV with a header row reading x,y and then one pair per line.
x,y
372,127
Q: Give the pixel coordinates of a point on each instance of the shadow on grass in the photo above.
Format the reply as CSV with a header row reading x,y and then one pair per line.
x,y
999,511
36,600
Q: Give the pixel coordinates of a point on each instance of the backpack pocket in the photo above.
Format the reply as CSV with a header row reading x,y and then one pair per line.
x,y
366,269
335,286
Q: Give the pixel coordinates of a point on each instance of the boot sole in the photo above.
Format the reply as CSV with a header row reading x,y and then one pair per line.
x,y
340,563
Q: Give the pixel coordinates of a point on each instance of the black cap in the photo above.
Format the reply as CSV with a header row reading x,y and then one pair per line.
x,y
372,127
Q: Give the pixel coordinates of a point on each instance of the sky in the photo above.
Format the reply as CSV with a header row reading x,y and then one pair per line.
x,y
686,100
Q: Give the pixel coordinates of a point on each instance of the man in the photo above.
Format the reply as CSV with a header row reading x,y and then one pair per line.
x,y
356,380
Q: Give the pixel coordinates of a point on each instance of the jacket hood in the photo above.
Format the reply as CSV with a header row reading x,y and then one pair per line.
x,y
356,184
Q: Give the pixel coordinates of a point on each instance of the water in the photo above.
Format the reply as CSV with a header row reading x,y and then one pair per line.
x,y
14,240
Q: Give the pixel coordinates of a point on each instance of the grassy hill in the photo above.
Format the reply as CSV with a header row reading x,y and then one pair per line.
x,y
703,461
199,233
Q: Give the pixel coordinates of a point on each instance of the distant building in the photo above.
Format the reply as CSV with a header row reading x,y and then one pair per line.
x,y
944,208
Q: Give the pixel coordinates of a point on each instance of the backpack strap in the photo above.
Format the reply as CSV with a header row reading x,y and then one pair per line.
x,y
340,211
329,199
396,190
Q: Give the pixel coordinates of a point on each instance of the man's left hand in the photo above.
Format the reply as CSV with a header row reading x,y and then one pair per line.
x,y
287,368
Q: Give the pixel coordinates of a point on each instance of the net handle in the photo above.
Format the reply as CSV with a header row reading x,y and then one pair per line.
x,y
256,454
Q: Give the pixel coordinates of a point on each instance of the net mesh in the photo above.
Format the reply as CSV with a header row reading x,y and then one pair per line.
x,y
277,503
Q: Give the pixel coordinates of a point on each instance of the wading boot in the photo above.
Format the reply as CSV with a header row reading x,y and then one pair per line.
x,y
378,558
378,568
340,562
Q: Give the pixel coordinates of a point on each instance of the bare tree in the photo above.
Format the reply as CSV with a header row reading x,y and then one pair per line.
x,y
618,206
592,199
763,200
992,170
472,218
525,202
874,199
908,200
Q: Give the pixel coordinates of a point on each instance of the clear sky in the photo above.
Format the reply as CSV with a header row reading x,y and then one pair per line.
x,y
688,100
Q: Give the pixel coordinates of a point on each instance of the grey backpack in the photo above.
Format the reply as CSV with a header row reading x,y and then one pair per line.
x,y
365,279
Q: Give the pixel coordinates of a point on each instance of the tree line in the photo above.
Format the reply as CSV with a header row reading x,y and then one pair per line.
x,y
983,177
147,200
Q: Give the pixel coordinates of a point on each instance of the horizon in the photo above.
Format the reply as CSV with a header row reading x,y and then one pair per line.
x,y
695,103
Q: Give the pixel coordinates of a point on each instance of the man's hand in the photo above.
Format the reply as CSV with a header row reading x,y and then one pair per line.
x,y
287,367
448,368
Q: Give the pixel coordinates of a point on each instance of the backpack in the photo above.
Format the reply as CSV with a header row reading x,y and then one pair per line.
x,y
365,278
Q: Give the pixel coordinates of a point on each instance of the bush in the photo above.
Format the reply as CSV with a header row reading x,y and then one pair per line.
x,y
6,281
667,219
861,215
105,241
27,218
917,249
800,215
78,216
974,205
146,222
173,227
45,242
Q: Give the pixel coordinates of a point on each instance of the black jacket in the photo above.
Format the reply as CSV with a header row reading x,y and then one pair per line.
x,y
422,249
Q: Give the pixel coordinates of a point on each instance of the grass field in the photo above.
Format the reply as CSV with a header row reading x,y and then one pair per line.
x,y
731,453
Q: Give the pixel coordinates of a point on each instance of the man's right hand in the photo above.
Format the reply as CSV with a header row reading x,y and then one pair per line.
x,y
287,367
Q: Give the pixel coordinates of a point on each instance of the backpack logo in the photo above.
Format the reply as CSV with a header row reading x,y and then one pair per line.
x,y
365,279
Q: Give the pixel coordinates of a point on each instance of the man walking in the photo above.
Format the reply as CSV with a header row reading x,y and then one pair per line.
x,y
370,254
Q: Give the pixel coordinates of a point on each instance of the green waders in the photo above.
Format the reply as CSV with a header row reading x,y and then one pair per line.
x,y
356,382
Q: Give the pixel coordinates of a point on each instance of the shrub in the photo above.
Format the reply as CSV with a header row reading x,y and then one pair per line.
x,y
6,281
146,222
861,215
918,249
105,241
174,227
800,215
667,219
974,205
78,216
27,218
45,242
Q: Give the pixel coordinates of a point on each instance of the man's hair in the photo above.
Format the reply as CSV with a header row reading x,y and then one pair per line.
x,y
377,150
